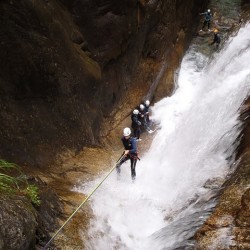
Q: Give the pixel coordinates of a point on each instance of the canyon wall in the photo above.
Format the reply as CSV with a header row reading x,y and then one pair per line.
x,y
68,66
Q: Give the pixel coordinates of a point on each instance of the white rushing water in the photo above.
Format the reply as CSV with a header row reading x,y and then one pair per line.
x,y
198,127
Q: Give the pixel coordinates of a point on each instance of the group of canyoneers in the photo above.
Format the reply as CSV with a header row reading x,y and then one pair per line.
x,y
207,20
140,121
140,115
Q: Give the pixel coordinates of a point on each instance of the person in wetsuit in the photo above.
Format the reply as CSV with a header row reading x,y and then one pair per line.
x,y
207,20
136,124
147,109
217,39
130,153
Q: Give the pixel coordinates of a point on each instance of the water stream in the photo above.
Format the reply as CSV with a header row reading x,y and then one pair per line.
x,y
191,153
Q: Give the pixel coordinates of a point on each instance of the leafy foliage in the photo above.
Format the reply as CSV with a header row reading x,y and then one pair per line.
x,y
32,193
7,183
17,184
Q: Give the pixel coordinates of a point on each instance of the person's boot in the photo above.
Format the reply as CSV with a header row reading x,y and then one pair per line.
x,y
118,171
133,175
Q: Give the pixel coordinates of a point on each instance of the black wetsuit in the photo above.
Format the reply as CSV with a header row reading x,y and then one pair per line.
x,y
136,125
216,39
131,145
147,113
147,120
208,17
141,116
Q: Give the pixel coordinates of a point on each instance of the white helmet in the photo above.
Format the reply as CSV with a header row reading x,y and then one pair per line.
x,y
142,107
136,112
208,10
126,132
147,103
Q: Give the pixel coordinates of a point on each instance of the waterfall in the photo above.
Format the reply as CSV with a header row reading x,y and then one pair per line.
x,y
194,145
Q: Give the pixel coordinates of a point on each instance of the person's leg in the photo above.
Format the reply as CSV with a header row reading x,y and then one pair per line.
x,y
208,25
133,164
146,126
118,166
138,133
204,24
142,124
135,132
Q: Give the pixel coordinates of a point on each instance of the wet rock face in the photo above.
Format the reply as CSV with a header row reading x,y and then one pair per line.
x,y
24,225
243,217
107,26
66,65
229,225
47,213
131,40
18,224
47,83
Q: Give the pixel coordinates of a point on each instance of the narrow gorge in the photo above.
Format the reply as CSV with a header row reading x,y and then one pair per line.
x,y
71,73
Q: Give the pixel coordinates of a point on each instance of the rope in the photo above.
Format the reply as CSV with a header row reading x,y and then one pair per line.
x,y
83,202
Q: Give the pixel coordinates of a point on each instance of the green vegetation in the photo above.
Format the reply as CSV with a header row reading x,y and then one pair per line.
x,y
32,193
8,183
12,180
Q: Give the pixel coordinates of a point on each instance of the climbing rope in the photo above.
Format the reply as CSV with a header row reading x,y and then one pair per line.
x,y
83,202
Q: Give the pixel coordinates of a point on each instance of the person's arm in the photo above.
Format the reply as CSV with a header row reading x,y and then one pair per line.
x,y
136,120
125,150
134,147
141,114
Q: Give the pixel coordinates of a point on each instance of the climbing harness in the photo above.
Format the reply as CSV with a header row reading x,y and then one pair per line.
x,y
70,217
135,157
